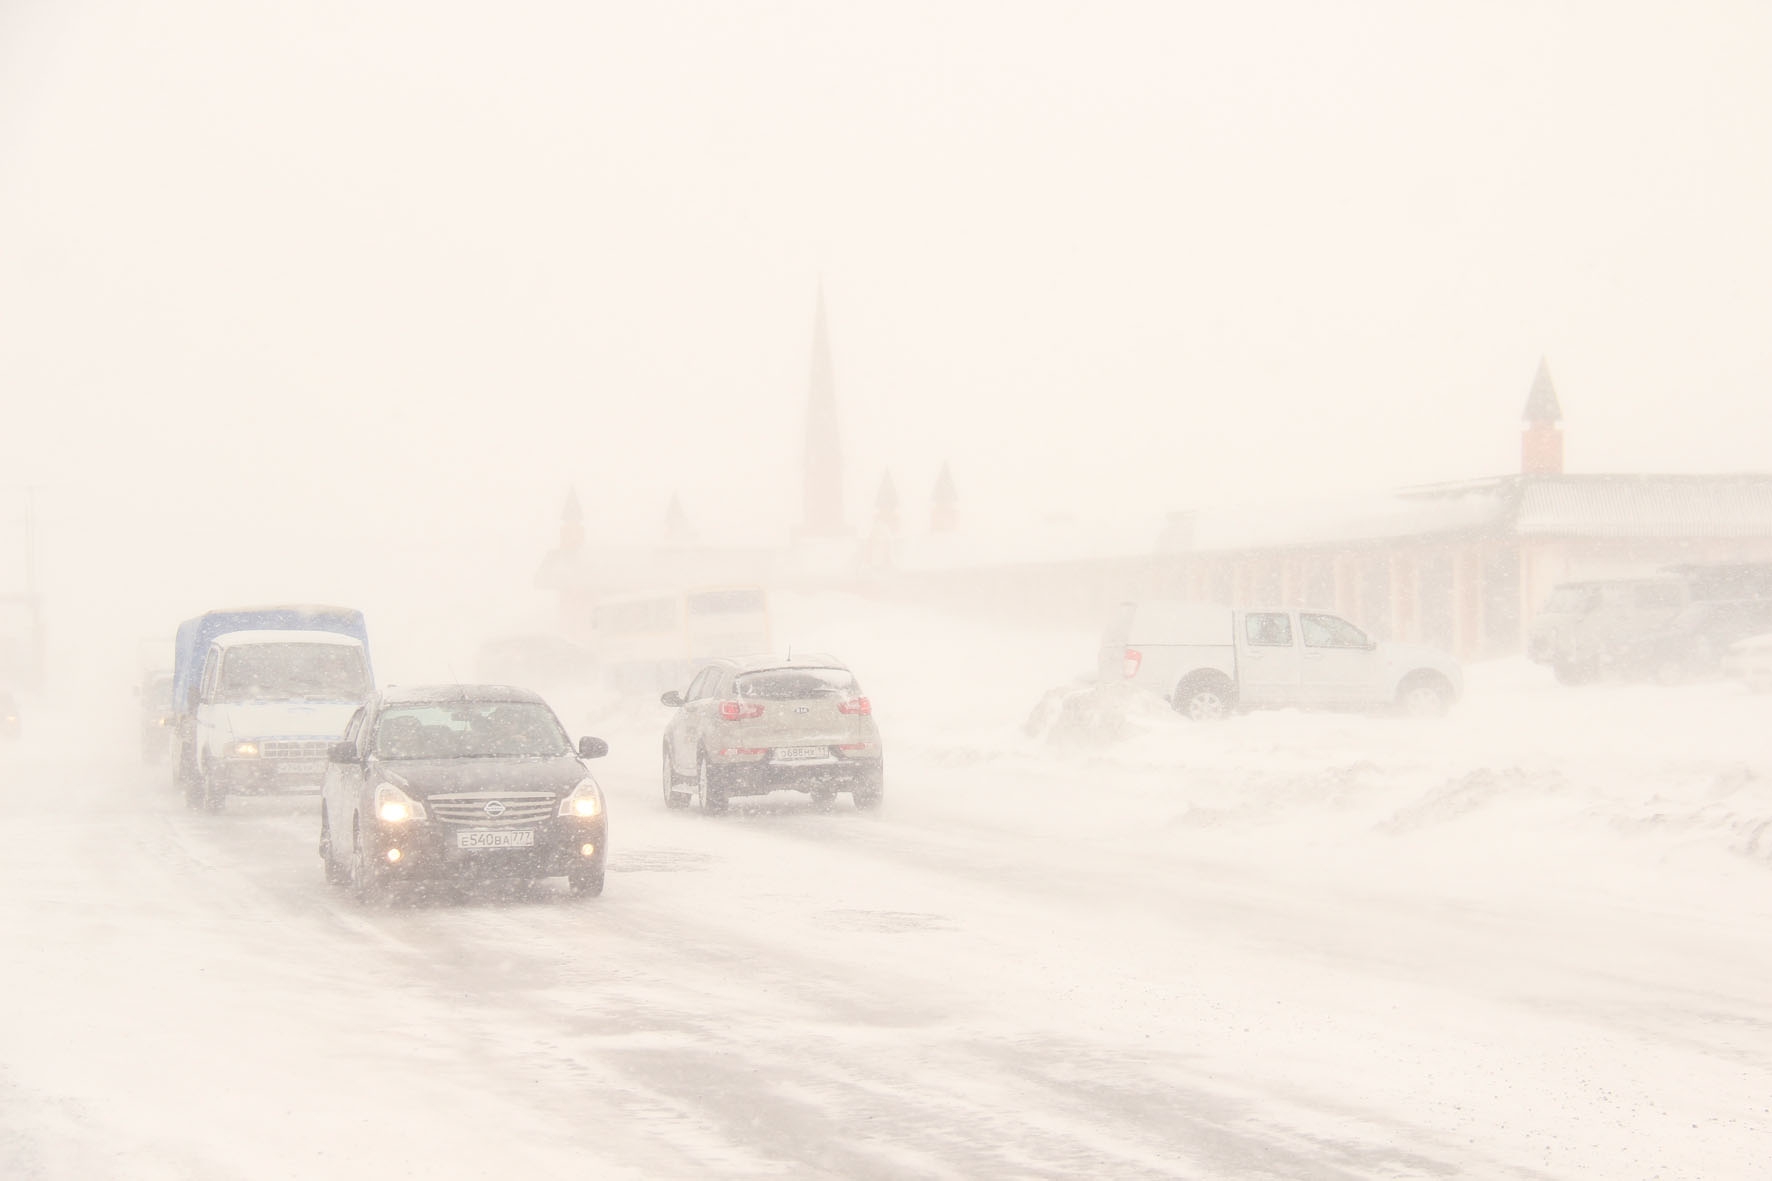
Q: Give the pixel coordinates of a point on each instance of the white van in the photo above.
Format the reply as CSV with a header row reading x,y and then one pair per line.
x,y
1207,659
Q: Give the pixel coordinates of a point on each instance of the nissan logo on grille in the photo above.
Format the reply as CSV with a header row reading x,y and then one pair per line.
x,y
495,808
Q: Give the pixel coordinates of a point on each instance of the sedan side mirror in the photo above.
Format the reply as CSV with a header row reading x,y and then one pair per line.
x,y
592,748
342,752
673,699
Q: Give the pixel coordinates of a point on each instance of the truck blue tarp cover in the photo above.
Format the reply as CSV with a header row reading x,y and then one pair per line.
x,y
194,635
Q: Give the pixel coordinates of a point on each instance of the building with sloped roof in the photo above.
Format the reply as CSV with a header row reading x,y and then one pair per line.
x,y
1465,565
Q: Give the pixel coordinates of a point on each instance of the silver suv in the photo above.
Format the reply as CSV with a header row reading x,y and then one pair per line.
x,y
750,725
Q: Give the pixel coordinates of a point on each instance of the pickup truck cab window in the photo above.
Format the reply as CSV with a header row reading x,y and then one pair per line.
x,y
1268,629
1329,631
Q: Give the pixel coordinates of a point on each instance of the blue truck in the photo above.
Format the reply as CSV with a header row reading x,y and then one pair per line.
x,y
259,694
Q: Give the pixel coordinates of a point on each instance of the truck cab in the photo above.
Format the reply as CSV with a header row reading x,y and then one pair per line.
x,y
1207,660
270,705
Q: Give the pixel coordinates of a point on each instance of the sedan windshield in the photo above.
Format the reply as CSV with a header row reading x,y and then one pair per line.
x,y
470,730
289,672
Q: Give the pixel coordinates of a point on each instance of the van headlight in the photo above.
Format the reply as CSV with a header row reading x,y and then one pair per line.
x,y
243,750
395,806
584,802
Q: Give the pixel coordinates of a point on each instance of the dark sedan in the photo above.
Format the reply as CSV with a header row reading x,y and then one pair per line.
x,y
459,782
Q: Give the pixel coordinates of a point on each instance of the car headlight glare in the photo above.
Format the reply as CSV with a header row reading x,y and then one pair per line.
x,y
395,806
584,802
243,750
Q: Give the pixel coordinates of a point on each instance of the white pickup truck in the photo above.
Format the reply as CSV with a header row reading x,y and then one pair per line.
x,y
1207,660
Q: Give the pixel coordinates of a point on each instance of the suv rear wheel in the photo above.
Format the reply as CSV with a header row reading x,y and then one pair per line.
x,y
674,795
870,792
710,785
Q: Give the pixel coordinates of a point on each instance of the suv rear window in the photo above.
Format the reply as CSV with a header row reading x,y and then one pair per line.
x,y
794,684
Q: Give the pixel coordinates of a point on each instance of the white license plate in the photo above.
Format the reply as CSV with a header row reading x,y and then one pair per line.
x,y
788,754
498,838
309,767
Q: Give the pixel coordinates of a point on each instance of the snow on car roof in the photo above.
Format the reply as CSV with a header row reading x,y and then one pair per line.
x,y
428,694
759,662
235,639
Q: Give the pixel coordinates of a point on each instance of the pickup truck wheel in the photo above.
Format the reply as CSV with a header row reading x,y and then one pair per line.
x,y
1206,698
674,795
1573,672
710,785
1425,695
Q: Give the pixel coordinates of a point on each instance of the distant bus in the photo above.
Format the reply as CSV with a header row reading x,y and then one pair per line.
x,y
650,642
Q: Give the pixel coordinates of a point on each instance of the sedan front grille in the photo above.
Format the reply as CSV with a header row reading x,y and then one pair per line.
x,y
511,807
294,748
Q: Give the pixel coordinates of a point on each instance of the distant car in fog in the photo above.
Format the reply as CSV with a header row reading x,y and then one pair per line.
x,y
1750,662
750,725
650,642
1585,628
9,721
461,782
1206,660
1694,644
154,695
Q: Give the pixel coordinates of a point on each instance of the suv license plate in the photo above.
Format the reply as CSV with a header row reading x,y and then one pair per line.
x,y
788,754
507,838
305,767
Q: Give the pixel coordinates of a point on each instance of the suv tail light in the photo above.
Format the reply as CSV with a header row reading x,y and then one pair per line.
x,y
1130,662
856,705
738,711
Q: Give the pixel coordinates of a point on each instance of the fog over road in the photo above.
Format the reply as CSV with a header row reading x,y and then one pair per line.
x,y
1037,962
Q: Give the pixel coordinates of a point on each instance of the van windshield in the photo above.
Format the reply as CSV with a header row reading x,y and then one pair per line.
x,y
291,672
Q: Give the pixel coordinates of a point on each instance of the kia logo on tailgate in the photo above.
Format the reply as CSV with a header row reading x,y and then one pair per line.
x,y
495,808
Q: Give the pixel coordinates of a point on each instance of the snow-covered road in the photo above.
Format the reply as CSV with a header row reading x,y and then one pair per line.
x,y
1528,941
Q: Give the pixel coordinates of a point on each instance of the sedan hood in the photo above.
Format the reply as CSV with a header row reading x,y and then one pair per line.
x,y
290,719
428,777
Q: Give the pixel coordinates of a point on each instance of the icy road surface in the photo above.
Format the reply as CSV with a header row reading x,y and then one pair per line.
x,y
1529,941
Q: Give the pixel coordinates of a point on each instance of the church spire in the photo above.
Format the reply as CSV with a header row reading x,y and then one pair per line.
x,y
1541,403
1541,439
944,507
822,460
572,522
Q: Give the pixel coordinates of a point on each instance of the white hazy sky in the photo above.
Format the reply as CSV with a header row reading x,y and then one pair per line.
x,y
306,284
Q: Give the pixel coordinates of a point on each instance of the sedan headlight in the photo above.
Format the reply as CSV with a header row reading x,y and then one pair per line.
x,y
584,802
395,806
243,750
